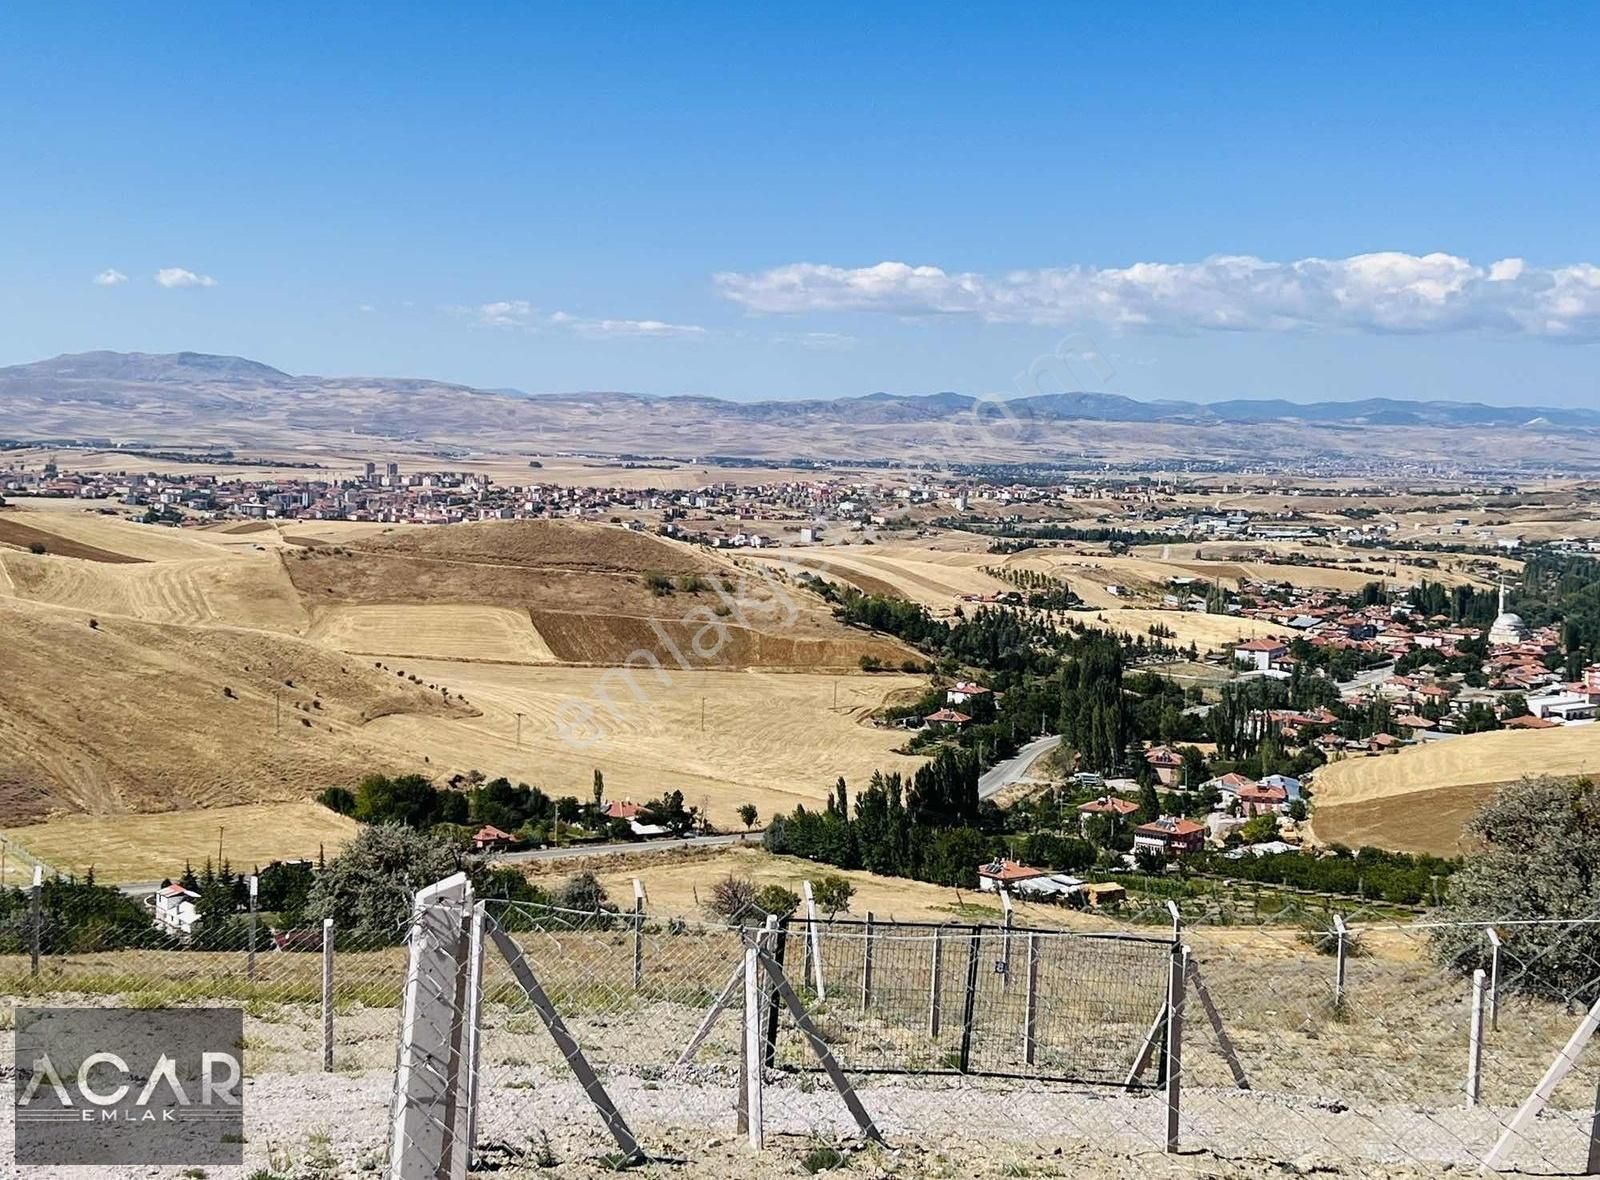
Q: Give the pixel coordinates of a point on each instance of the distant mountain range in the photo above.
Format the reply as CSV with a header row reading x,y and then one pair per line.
x,y
194,398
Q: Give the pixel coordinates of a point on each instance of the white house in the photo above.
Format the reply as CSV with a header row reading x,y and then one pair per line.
x,y
174,911
1260,654
963,691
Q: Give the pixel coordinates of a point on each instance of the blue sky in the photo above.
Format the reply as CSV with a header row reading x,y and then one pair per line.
x,y
1274,201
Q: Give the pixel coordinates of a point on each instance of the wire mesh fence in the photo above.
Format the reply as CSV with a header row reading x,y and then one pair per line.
x,y
1371,1041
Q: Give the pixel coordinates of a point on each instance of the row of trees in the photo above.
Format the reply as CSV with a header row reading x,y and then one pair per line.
x,y
929,829
526,812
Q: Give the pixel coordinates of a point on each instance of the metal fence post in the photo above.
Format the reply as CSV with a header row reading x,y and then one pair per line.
x,y
1030,1017
936,984
866,966
1340,933
1494,977
969,1006
638,934
250,958
36,915
1174,1079
1475,1042
327,995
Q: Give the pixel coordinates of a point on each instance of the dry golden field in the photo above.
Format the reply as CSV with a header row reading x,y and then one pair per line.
x,y
934,577
264,665
769,738
488,633
1420,798
151,847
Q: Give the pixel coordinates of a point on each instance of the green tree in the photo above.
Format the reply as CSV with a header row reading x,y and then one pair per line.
x,y
832,893
1259,829
748,815
340,799
1538,860
368,888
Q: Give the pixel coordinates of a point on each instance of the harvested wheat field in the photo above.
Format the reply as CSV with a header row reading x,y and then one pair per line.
x,y
113,715
934,577
1204,631
1420,798
72,523
150,847
240,590
489,633
772,739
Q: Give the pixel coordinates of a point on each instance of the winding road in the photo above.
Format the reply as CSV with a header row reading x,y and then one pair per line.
x,y
1002,774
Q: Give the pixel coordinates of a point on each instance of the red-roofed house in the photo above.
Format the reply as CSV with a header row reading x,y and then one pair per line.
x,y
1112,805
623,809
1167,763
963,691
1260,654
1170,836
490,838
1529,721
1256,799
947,717
1000,875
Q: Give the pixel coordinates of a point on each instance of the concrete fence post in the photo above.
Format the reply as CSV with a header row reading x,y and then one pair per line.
x,y
1005,941
1174,1078
638,934
1494,977
36,915
1475,1042
1341,940
327,995
250,956
754,1011
431,1087
866,965
814,944
936,984
1030,1018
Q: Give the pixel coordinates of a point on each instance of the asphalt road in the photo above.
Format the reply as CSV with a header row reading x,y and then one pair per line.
x,y
1366,680
1002,774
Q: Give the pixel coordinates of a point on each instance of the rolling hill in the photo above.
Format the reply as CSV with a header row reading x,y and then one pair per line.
x,y
164,670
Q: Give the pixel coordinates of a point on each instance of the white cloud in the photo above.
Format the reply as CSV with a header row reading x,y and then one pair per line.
x,y
176,276
603,329
1387,292
519,313
110,277
506,313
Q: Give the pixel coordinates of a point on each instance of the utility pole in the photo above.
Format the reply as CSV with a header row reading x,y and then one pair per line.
x,y
219,848
519,731
702,714
277,711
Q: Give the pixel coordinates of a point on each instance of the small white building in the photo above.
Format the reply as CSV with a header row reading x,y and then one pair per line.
x,y
174,911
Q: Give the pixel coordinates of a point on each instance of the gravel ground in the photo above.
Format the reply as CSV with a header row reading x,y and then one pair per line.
x,y
331,1125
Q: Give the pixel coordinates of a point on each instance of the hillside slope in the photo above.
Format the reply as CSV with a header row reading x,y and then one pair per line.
x,y
137,716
